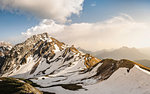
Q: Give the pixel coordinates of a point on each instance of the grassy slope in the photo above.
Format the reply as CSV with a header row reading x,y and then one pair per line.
x,y
16,86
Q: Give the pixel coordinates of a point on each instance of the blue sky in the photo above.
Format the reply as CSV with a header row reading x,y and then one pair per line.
x,y
105,9
14,22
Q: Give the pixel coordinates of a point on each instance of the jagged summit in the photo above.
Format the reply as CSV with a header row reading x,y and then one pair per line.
x,y
56,67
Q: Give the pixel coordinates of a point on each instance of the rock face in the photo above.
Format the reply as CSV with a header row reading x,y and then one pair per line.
x,y
4,51
56,67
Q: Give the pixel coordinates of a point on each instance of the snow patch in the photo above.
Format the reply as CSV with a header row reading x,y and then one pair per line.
x,y
145,71
56,48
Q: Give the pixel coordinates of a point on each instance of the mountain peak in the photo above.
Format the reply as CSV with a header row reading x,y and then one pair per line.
x,y
43,35
44,48
38,37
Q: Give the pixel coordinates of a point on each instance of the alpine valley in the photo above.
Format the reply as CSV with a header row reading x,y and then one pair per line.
x,y
44,65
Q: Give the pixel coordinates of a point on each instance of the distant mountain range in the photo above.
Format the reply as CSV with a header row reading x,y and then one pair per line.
x,y
145,51
141,55
144,62
46,64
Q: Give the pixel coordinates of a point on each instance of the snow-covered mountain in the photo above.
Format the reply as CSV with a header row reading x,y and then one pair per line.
x,y
58,68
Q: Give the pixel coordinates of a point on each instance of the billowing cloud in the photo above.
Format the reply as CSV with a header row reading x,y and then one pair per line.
x,y
58,10
45,26
118,31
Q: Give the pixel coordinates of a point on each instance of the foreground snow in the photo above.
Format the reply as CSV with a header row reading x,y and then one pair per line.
x,y
121,82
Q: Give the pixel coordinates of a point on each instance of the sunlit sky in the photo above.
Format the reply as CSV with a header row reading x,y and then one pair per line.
x,y
103,14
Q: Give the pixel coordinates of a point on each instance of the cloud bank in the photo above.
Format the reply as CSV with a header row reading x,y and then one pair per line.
x,y
118,31
58,10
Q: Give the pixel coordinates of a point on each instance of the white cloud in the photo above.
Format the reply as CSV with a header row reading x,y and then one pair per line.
x,y
93,4
115,32
45,26
58,10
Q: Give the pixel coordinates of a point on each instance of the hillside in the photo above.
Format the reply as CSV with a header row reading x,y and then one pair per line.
x,y
16,86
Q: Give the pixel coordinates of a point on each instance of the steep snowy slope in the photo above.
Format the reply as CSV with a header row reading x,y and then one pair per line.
x,y
121,82
56,67
107,77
